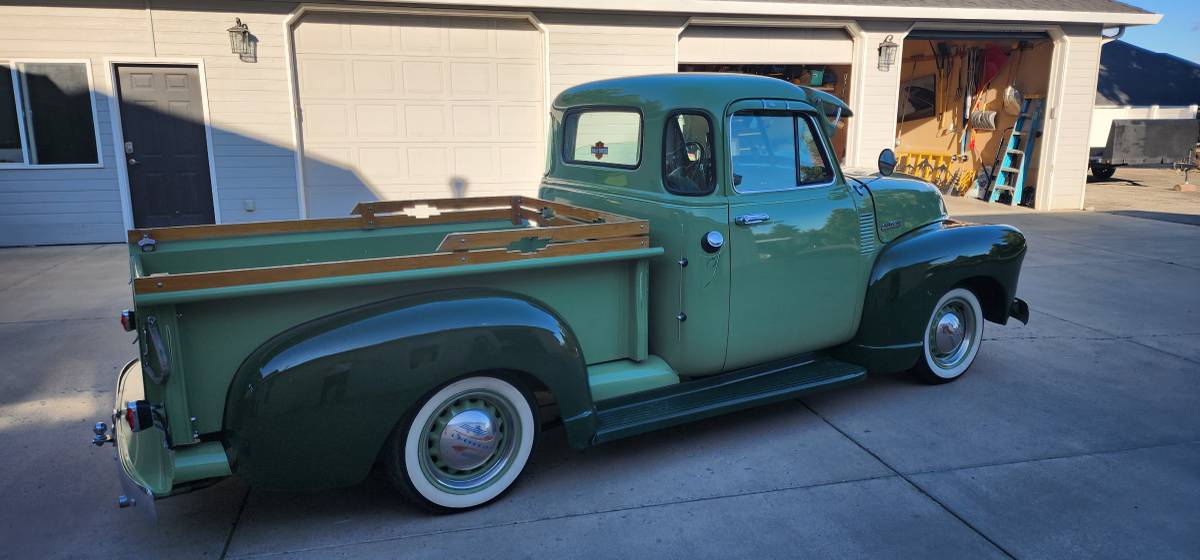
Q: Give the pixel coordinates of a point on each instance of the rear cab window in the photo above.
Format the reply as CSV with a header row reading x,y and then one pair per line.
x,y
772,151
609,137
688,159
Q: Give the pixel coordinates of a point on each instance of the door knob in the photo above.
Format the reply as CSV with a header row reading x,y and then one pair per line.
x,y
133,161
751,219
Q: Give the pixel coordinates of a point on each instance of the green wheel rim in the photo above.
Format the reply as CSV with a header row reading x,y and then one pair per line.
x,y
507,430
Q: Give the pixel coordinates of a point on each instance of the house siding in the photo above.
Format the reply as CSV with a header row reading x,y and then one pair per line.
x,y
1068,172
82,205
247,103
878,93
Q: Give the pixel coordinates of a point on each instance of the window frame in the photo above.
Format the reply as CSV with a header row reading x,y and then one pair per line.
x,y
712,134
22,109
822,144
568,158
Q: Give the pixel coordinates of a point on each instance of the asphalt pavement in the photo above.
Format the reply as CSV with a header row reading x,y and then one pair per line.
x,y
1077,436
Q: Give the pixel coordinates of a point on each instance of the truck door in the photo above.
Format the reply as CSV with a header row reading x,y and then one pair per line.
x,y
793,236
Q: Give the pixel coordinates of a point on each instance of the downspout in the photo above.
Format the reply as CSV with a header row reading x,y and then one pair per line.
x,y
1106,39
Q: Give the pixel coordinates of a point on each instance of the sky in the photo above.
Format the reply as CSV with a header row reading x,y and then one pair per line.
x,y
1178,33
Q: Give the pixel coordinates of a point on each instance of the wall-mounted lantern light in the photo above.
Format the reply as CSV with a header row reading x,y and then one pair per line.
x,y
241,42
887,54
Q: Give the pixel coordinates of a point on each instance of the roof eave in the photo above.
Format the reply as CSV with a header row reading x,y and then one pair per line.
x,y
800,9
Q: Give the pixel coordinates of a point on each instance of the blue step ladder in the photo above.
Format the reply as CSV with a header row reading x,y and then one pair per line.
x,y
1014,165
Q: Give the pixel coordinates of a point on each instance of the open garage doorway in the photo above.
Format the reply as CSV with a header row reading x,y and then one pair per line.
x,y
819,58
972,111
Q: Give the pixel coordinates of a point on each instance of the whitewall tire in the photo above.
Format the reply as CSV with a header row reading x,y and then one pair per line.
x,y
465,446
951,337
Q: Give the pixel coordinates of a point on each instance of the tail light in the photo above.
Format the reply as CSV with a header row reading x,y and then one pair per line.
x,y
128,320
138,415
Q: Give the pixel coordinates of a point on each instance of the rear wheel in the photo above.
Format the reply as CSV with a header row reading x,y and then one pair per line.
x,y
464,447
952,337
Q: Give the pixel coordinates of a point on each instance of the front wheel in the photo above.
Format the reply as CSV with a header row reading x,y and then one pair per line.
x,y
952,337
464,447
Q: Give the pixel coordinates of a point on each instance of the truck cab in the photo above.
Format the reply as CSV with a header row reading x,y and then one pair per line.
x,y
769,247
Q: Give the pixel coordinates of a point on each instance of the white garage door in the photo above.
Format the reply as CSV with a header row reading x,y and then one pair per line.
x,y
764,45
396,107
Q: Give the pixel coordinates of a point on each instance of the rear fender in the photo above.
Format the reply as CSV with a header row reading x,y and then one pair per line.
x,y
313,406
912,272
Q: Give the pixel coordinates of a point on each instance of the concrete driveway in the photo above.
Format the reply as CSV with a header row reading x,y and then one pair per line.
x,y
1077,436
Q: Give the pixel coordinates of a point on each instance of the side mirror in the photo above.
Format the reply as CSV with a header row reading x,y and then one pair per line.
x,y
887,162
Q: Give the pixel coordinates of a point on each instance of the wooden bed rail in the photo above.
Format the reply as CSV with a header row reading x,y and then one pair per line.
x,y
545,229
396,213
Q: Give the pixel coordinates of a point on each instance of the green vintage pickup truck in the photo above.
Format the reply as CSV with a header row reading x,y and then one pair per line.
x,y
694,250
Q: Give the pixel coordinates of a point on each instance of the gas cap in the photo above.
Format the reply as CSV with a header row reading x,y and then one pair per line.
x,y
712,241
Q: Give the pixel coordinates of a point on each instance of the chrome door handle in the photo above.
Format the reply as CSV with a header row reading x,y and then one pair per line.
x,y
751,219
133,161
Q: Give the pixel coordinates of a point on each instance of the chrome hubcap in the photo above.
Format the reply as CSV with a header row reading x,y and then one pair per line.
x,y
951,333
470,441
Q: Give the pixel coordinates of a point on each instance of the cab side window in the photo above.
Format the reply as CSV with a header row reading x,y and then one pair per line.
x,y
688,167
775,151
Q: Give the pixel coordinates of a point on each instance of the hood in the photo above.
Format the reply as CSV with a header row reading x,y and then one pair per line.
x,y
903,203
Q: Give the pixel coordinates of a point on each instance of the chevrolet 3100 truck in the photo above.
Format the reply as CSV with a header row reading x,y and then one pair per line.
x,y
694,250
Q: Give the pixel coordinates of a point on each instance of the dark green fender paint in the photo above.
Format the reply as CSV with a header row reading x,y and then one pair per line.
x,y
914,271
313,406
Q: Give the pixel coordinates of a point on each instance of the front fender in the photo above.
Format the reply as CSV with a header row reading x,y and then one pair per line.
x,y
913,271
313,406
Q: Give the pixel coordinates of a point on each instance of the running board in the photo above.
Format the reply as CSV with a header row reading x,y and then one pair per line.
x,y
711,396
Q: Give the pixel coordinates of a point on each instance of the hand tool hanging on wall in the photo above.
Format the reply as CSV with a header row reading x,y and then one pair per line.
x,y
983,120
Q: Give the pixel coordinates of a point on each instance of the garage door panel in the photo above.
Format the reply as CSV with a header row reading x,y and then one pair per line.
x,y
434,162
317,35
322,76
370,36
325,121
382,164
519,81
475,162
472,78
402,106
513,39
519,122
425,121
472,121
764,45
515,161
470,37
423,78
374,77
376,121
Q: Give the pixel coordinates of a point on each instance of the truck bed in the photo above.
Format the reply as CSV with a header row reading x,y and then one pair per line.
x,y
381,237
218,292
